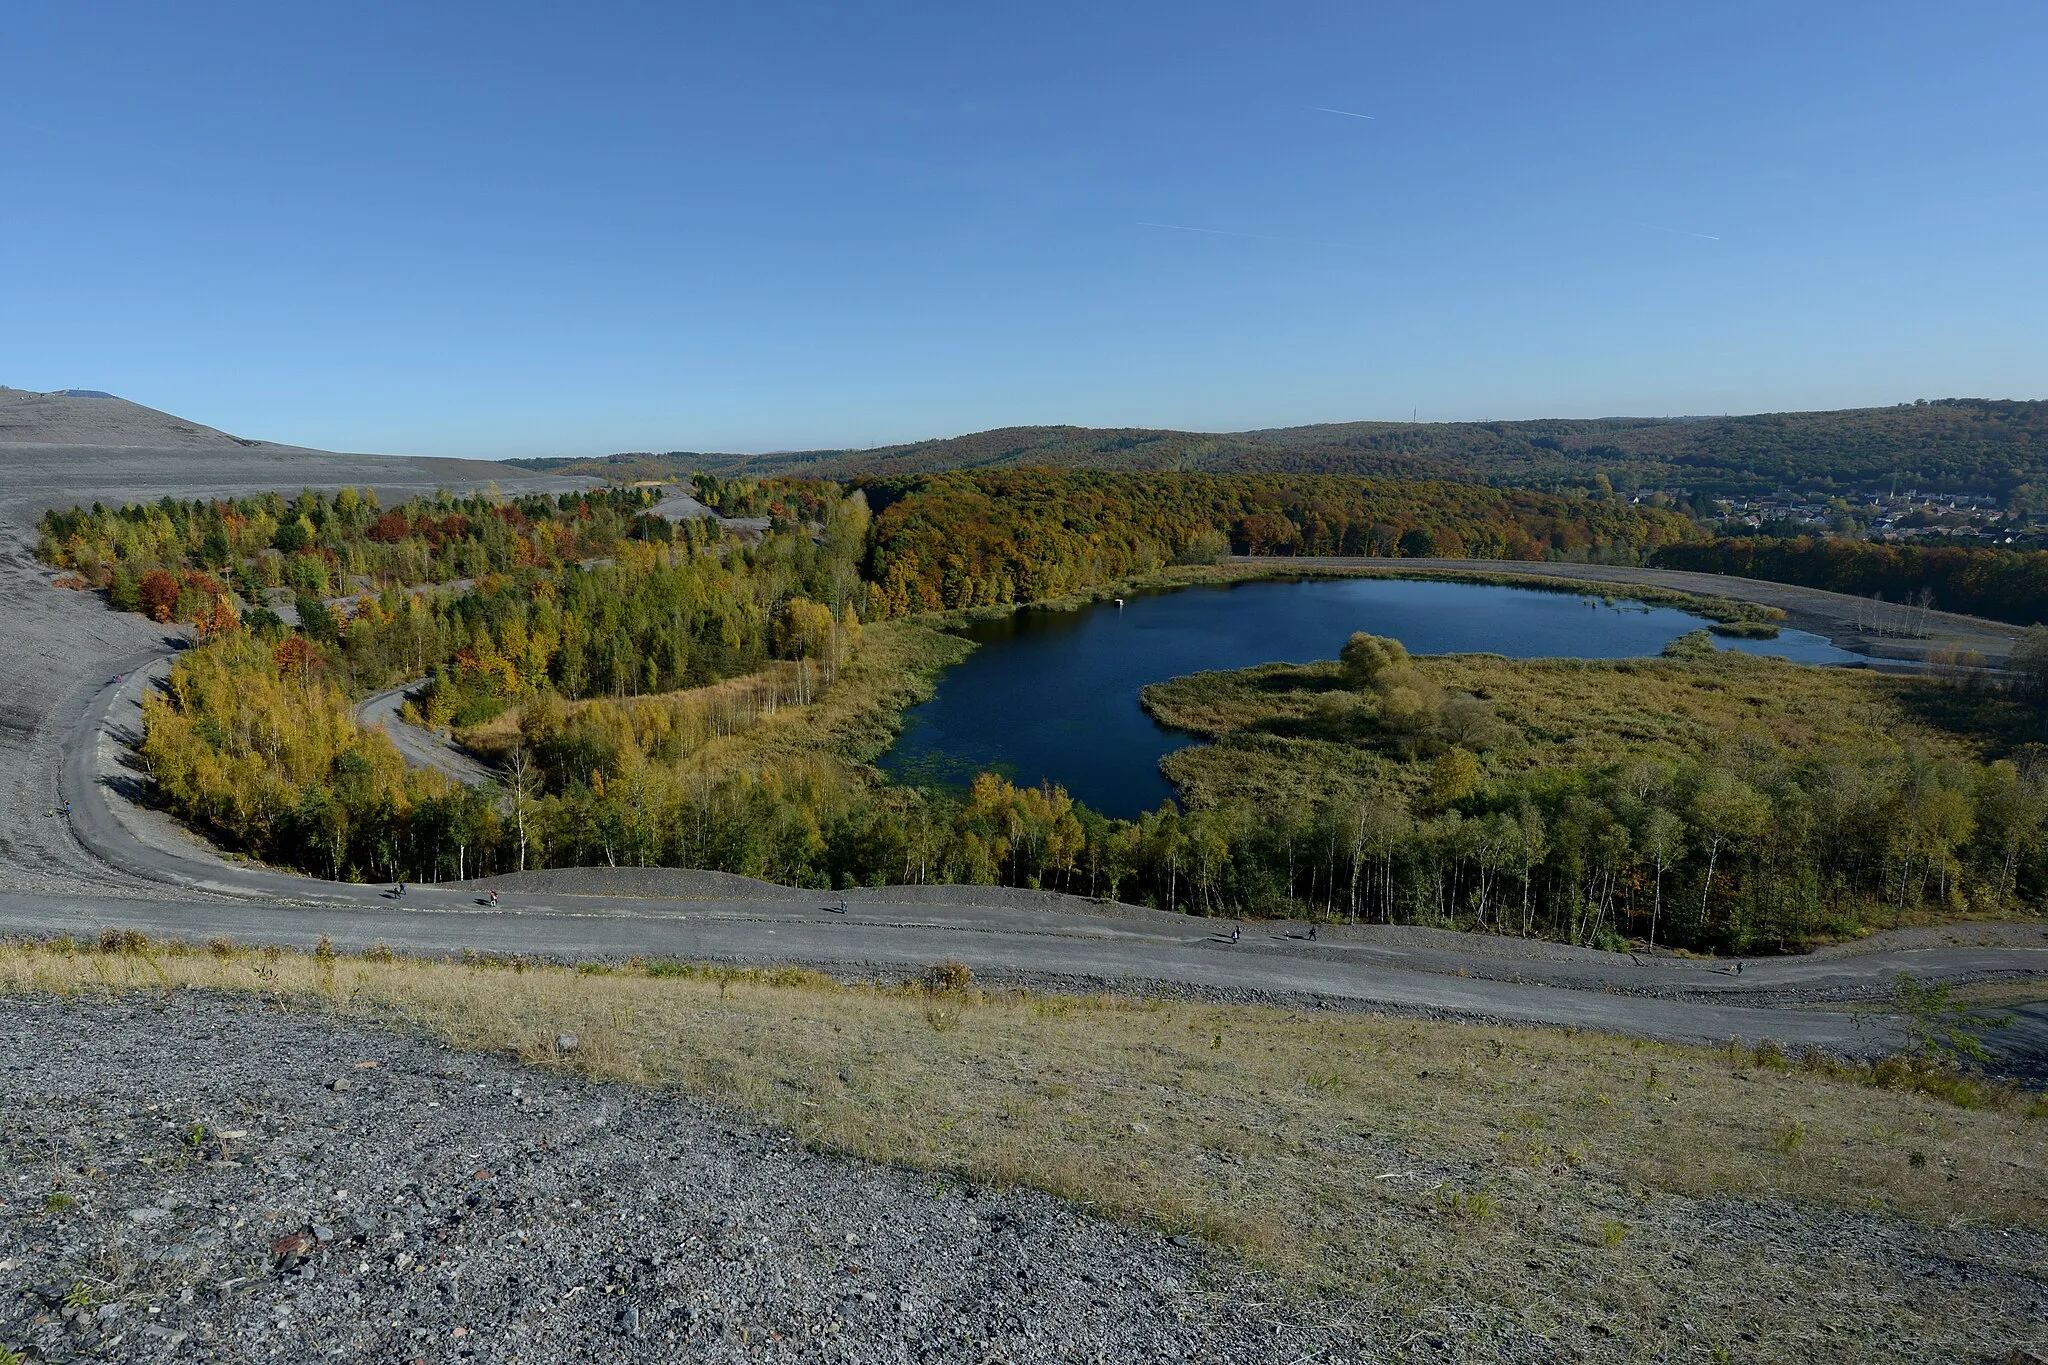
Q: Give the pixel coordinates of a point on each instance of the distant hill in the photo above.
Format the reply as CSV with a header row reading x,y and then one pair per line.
x,y
1960,445
54,445
88,417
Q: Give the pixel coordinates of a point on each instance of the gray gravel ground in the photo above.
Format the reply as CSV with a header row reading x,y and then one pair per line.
x,y
246,1188
209,1178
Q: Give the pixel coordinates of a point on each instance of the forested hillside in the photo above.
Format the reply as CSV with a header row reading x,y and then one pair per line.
x,y
980,539
1951,445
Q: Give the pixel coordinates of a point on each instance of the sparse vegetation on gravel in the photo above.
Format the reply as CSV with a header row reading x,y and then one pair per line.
x,y
1618,1198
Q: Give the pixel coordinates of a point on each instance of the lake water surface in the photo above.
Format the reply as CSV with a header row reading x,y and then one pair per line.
x,y
1053,695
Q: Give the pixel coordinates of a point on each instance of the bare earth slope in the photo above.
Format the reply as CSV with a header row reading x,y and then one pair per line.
x,y
71,418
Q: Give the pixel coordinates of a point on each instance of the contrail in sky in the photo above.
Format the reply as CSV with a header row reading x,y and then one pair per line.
x,y
1345,112
1680,232
1252,236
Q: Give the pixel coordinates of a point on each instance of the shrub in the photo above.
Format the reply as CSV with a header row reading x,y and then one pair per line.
x,y
1205,547
1937,1028
946,977
1745,630
157,594
1365,657
124,593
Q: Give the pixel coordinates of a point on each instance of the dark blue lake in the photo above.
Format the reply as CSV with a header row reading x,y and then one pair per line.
x,y
1053,695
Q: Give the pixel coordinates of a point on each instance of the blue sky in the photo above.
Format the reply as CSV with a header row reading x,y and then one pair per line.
x,y
506,229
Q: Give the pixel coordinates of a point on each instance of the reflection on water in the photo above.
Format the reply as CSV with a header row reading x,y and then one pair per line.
x,y
1054,695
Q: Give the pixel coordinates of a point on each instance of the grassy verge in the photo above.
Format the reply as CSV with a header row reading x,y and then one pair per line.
x,y
1573,1179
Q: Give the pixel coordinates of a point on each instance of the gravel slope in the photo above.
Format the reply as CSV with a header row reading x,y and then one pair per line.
x,y
450,1207
200,1178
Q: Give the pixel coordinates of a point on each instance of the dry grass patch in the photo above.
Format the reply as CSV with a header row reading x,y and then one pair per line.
x,y
1395,1160
857,718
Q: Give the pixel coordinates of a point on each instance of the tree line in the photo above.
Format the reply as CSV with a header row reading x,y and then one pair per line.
x,y
947,541
1945,445
1749,846
322,544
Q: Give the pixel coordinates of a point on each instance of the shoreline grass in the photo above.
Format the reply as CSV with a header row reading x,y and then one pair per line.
x,y
1378,1158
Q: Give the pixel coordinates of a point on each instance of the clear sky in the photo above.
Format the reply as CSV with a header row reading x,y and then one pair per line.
x,y
506,229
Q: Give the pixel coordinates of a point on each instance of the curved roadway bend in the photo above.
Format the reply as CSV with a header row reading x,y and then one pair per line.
x,y
1545,984
421,748
58,647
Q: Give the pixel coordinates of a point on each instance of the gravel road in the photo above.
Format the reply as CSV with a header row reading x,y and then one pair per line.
x,y
63,716
421,748
1048,941
440,1206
